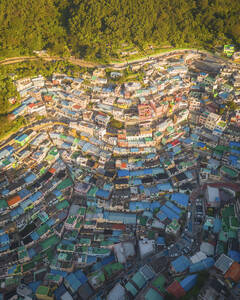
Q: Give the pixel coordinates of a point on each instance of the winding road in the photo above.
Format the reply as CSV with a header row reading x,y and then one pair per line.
x,y
83,63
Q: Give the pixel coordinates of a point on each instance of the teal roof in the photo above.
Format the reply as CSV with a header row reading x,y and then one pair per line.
x,y
131,289
139,280
152,295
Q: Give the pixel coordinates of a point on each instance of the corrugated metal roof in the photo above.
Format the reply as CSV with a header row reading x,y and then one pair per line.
x,y
180,264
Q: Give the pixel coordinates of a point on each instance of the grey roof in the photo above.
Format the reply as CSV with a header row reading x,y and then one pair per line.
x,y
147,272
223,263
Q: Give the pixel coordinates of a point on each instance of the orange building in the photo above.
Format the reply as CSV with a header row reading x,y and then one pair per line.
x,y
13,201
233,272
52,170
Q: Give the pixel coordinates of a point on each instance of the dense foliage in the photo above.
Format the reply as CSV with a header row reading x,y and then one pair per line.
x,y
96,28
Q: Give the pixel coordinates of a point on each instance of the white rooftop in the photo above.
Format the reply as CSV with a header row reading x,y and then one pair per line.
x,y
146,247
117,293
207,248
197,257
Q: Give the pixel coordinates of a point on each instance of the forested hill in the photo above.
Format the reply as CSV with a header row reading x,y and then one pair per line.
x,y
89,28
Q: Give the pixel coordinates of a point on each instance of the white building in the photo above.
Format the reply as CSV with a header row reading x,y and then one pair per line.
x,y
213,196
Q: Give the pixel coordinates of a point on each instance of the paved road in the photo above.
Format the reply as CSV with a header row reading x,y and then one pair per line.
x,y
83,63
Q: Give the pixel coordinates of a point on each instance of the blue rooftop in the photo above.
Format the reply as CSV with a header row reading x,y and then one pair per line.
x,y
180,199
136,205
160,241
169,213
21,137
181,264
73,281
81,276
102,194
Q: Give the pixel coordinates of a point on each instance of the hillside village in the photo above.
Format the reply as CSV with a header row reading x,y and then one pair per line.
x,y
121,188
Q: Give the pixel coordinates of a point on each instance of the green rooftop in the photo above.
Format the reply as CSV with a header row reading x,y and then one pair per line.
x,y
43,216
228,211
220,248
54,278
92,192
65,184
51,241
230,172
106,243
170,129
159,282
234,223
113,268
232,234
66,247
62,256
223,236
100,250
42,290
3,203
42,229
143,220
71,219
174,225
85,241
82,211
28,266
9,281
61,205
53,151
